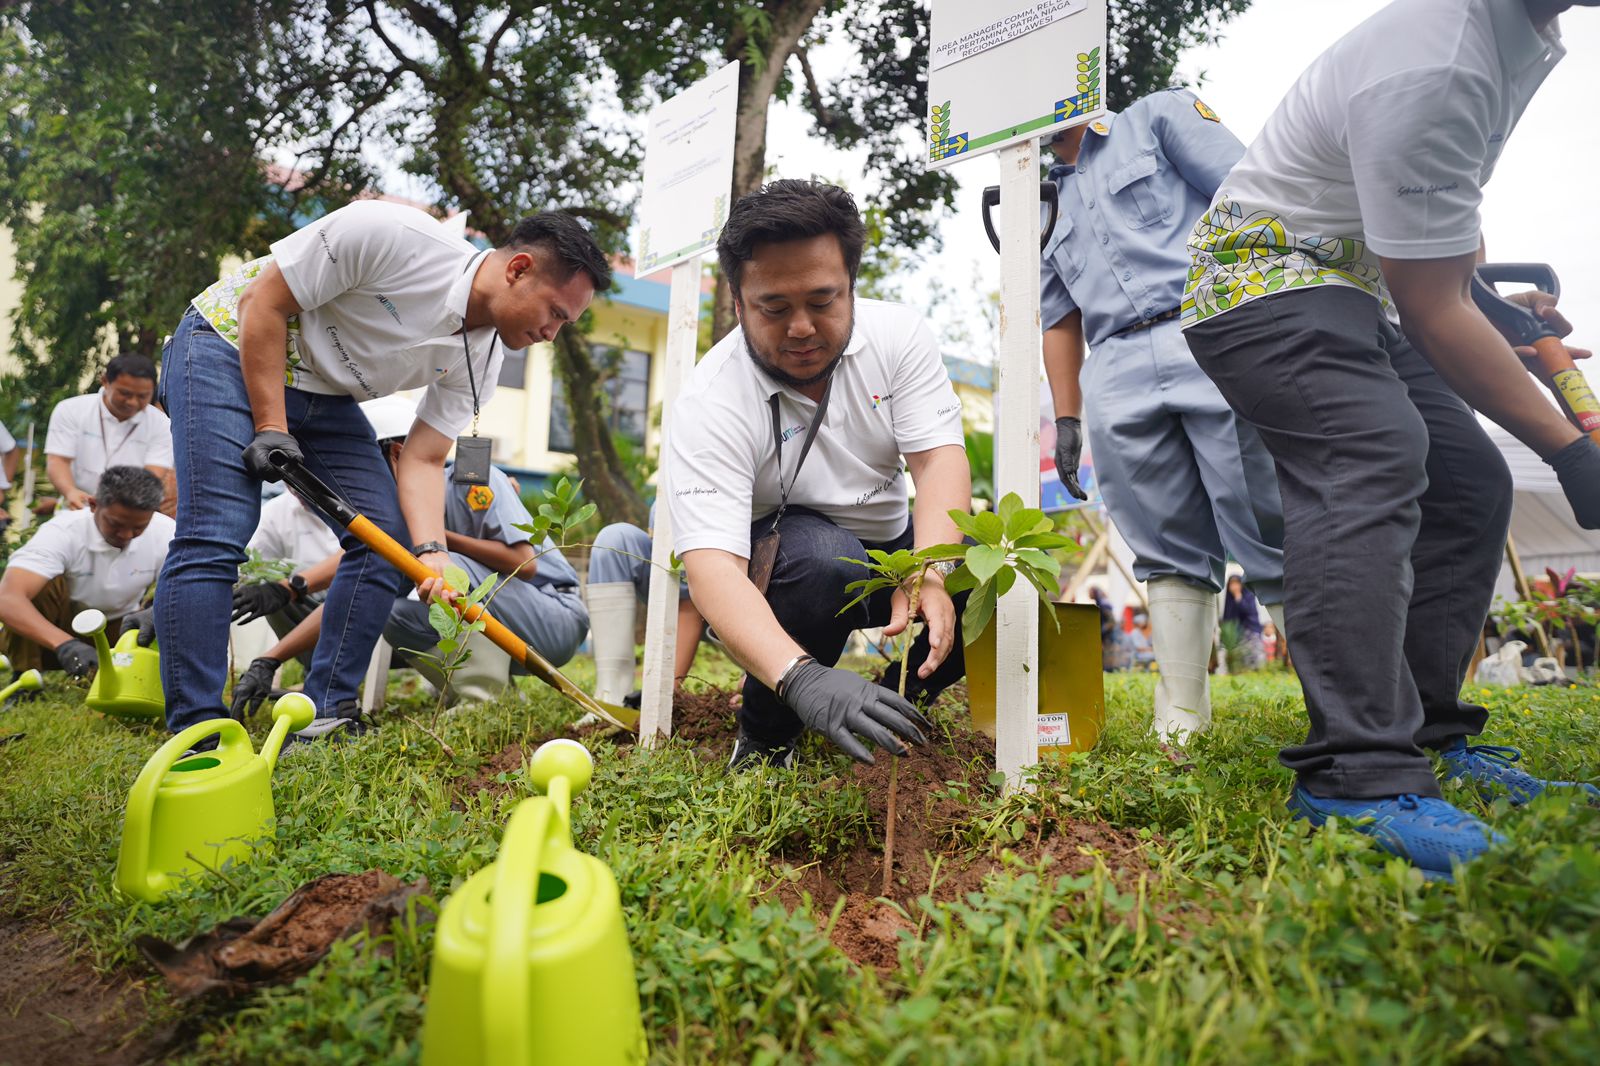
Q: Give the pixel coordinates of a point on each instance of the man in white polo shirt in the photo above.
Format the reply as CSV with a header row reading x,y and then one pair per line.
x,y
104,556
1329,301
797,421
115,426
10,460
276,356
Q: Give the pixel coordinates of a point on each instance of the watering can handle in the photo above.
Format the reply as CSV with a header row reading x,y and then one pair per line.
x,y
507,1039
134,855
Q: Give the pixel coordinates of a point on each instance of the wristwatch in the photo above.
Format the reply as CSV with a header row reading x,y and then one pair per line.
x,y
944,567
428,548
297,586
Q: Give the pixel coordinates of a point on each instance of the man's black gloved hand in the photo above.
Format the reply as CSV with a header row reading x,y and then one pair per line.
x,y
257,601
1577,467
253,687
1069,450
256,463
145,622
77,658
839,704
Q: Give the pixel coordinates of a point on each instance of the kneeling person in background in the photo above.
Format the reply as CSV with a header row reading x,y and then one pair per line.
x,y
103,557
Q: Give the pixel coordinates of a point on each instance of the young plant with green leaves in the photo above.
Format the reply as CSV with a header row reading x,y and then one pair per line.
x,y
257,569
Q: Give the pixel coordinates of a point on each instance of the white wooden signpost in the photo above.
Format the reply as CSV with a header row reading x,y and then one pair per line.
x,y
688,177
1002,74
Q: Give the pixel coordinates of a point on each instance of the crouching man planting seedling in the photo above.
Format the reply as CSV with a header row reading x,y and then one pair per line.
x,y
786,450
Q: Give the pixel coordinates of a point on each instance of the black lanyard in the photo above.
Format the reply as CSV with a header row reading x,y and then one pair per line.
x,y
805,449
472,382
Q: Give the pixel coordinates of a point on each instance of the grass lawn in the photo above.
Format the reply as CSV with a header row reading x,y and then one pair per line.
x,y
1132,910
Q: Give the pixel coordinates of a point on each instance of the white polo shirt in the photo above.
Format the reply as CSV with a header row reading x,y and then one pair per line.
x,y
83,429
1381,148
374,280
891,395
99,575
288,530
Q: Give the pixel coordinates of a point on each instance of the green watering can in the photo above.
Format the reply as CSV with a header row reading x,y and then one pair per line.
x,y
128,682
189,815
531,960
28,680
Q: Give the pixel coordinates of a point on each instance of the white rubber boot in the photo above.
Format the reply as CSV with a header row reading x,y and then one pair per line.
x,y
484,675
612,607
1182,619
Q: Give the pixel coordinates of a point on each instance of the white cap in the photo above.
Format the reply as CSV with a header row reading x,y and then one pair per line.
x,y
391,416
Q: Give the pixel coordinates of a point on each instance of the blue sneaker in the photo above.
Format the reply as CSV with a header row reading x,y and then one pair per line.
x,y
1429,833
1494,766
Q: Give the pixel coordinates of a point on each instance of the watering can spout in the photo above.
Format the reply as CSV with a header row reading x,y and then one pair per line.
x,y
293,711
92,624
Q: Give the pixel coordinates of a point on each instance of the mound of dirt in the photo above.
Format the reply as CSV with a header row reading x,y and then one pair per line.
x,y
55,1010
239,955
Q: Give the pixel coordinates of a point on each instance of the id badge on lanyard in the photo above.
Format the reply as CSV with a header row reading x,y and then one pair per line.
x,y
764,550
473,453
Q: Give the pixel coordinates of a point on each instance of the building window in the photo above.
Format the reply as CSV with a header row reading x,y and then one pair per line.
x,y
627,387
514,369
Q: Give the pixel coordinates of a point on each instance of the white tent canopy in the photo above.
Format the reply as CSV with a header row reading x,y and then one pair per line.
x,y
1542,526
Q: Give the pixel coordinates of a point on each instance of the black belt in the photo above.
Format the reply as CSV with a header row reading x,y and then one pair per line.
x,y
1147,323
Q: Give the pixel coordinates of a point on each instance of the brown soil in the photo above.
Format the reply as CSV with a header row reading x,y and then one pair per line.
x,y
55,1010
239,955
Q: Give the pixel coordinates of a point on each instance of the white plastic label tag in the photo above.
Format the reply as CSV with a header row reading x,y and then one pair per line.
x,y
1054,731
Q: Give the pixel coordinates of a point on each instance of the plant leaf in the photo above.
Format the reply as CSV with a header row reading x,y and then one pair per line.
x,y
988,529
1038,560
985,560
980,609
457,578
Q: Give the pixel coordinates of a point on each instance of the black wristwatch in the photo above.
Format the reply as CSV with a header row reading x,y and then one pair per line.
x,y
297,586
428,548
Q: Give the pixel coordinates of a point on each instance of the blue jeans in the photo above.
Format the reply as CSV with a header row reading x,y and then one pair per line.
x,y
219,506
806,594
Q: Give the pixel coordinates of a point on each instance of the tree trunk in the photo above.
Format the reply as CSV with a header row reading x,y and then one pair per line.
x,y
604,483
789,24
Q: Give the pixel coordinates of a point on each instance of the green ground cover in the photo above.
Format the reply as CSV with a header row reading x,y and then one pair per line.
x,y
1229,934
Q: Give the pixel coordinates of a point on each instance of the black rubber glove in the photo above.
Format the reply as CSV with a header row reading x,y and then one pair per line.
x,y
253,687
256,463
77,658
1577,467
145,622
257,601
839,704
1069,450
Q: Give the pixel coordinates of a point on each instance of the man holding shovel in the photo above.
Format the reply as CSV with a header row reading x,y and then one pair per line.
x,y
786,450
275,356
1185,482
1329,300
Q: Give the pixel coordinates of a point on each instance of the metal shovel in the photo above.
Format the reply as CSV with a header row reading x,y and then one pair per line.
x,y
330,503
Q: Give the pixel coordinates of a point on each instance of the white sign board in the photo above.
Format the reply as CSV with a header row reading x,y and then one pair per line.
x,y
1004,71
688,172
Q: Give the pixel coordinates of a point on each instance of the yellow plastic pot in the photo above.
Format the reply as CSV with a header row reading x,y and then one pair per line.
x,y
186,816
128,682
1072,695
531,960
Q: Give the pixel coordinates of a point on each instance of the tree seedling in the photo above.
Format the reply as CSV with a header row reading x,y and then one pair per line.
x,y
1010,541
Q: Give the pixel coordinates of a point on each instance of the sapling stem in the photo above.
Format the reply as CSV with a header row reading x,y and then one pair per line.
x,y
894,767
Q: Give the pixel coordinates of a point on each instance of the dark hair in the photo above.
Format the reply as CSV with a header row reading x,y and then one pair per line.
x,y
131,486
133,366
566,244
790,210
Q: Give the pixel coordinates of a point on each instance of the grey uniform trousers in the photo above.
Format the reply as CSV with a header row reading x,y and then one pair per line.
x,y
1186,482
1396,508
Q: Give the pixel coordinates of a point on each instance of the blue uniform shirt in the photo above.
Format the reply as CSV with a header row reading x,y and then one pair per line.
x,y
1120,248
493,512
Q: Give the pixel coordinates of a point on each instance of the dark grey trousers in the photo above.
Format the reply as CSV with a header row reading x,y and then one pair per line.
x,y
1396,506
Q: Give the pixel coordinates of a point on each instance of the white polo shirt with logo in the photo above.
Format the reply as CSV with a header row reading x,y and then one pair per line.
x,y
83,429
8,444
99,576
1381,148
891,396
374,280
289,530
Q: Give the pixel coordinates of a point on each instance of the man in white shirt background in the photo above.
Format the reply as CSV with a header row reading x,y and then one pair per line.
x,y
1329,301
104,556
275,357
115,426
797,422
10,460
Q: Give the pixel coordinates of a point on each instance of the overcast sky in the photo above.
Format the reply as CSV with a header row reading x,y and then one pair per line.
x,y
1540,206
